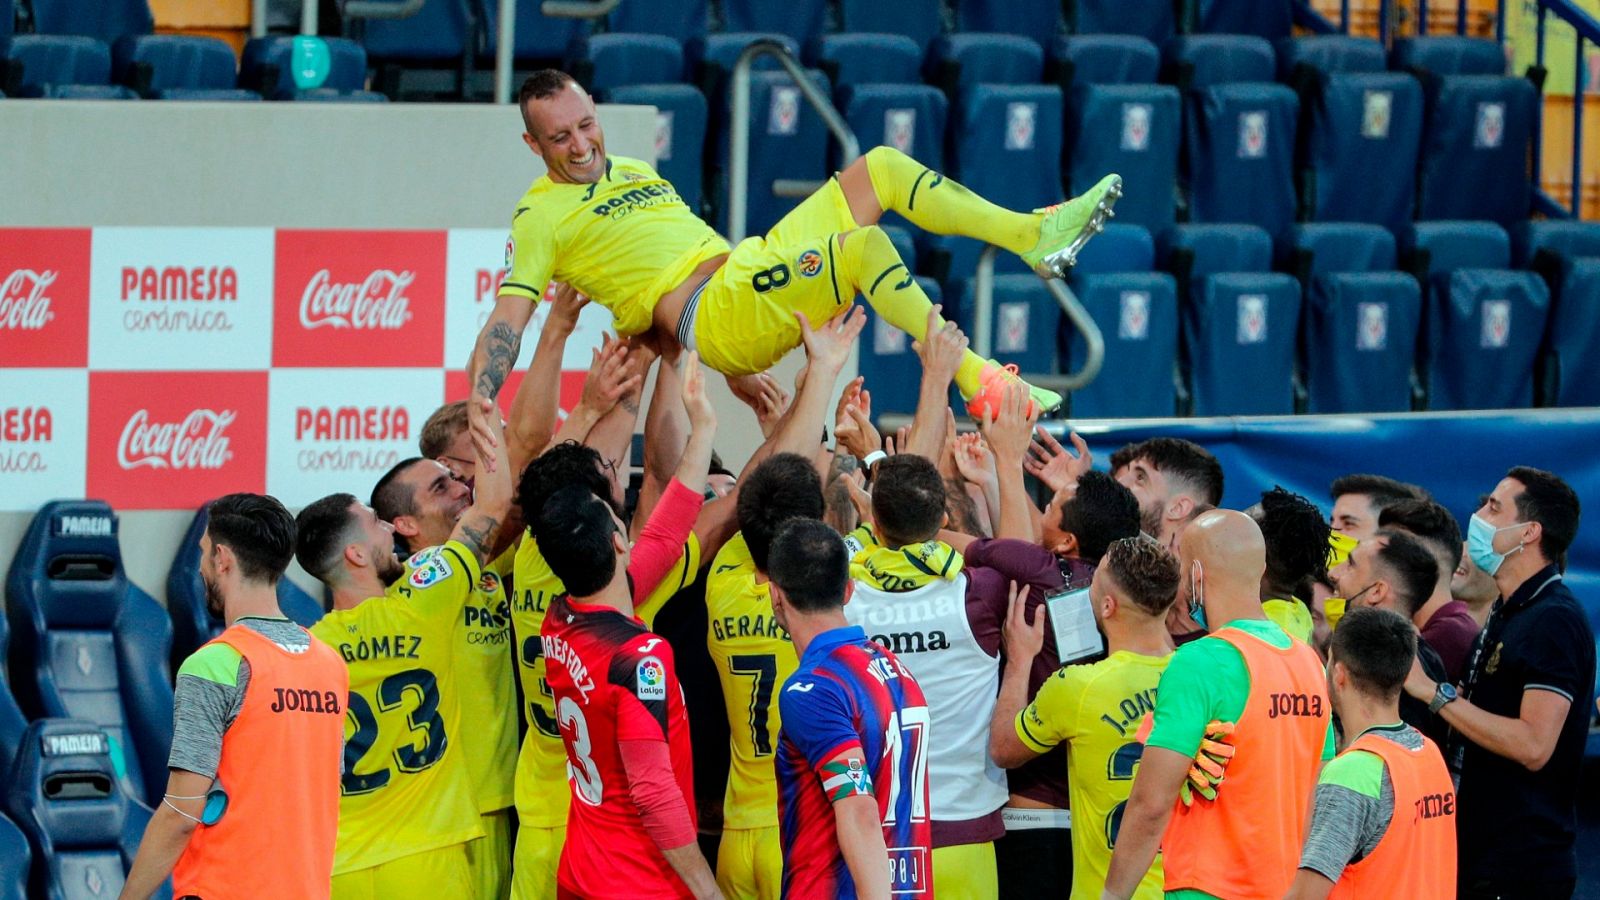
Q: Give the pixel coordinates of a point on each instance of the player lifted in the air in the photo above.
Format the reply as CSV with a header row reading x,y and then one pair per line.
x,y
618,232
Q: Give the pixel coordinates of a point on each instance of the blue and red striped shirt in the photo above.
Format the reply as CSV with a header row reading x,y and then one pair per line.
x,y
851,694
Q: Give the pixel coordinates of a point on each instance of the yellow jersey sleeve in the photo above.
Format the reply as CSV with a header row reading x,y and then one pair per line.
x,y
753,656
439,580
1051,718
679,577
530,253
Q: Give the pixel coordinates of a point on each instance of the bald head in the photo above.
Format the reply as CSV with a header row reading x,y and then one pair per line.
x,y
1222,558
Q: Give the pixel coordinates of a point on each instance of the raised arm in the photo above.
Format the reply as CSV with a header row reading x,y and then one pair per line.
x,y
492,359
1008,436
941,355
827,350
1022,640
492,492
532,421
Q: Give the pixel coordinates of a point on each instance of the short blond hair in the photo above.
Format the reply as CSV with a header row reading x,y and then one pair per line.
x,y
441,429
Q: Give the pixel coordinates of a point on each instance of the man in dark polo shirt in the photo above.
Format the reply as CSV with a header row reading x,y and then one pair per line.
x,y
1522,717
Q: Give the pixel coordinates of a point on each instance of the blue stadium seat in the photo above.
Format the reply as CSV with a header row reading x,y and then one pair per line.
x,y
920,20
88,92
8,17
49,60
1478,131
1434,247
1037,20
801,20
681,20
82,830
162,62
617,60
1193,252
787,141
1023,324
1359,154
964,60
1242,322
1324,248
1446,55
267,67
1329,53
12,721
87,643
717,53
1239,143
208,95
324,95
1361,335
1486,328
851,59
1567,255
1122,247
886,353
16,860
1552,237
1133,130
1271,19
438,32
539,37
1137,313
1105,59
104,20
192,622
680,133
1203,60
1007,146
1155,21
909,118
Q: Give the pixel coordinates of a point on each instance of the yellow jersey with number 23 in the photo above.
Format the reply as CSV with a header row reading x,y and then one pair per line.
x,y
405,788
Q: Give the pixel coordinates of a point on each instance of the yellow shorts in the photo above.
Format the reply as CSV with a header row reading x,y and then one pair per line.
x,y
750,864
490,856
426,876
967,871
745,320
538,854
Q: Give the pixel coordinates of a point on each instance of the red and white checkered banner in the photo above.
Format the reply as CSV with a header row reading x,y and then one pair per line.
x,y
156,368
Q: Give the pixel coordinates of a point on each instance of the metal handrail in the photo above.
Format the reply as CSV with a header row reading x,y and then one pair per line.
x,y
739,136
1584,28
983,326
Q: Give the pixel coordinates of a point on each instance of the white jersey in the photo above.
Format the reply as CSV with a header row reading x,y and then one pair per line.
x,y
928,630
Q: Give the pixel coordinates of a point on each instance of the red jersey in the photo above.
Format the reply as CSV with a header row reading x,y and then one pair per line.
x,y
613,681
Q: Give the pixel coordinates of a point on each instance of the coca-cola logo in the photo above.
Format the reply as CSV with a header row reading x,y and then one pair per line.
x,y
197,442
23,303
176,283
379,302
352,423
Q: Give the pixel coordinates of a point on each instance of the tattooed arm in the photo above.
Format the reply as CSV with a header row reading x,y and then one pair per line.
x,y
492,359
492,489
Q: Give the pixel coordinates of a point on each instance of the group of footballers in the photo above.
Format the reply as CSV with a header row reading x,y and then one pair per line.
x,y
886,618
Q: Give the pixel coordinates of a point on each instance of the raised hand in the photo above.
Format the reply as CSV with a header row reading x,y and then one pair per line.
x,y
610,376
1008,433
975,462
942,349
1022,638
565,305
856,434
695,402
1053,464
829,346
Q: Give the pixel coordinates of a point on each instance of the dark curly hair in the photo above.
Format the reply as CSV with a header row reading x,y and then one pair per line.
x,y
1296,535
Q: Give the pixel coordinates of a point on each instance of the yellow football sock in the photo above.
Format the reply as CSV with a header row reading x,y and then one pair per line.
x,y
938,204
868,259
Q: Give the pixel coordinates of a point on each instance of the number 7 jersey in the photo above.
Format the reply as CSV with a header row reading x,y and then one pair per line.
x,y
851,696
405,788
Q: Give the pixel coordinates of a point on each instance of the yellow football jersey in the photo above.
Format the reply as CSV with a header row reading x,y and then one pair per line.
x,y
541,782
405,788
753,655
1096,710
624,240
488,695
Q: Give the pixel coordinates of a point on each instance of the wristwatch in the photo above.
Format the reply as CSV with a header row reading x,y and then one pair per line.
x,y
1443,694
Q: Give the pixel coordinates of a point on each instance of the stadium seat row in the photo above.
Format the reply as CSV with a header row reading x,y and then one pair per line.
x,y
90,668
1340,318
171,67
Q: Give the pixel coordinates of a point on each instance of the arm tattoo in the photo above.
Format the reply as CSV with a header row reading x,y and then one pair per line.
x,y
477,535
500,348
